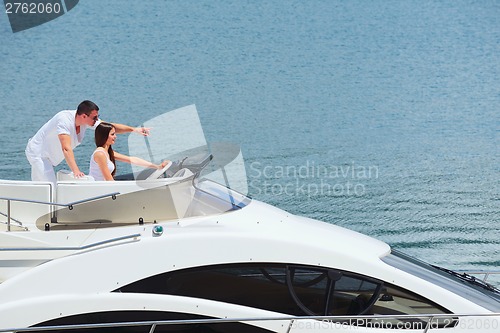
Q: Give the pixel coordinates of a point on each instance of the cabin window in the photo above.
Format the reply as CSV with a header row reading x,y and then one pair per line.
x,y
331,292
138,316
258,286
290,289
461,284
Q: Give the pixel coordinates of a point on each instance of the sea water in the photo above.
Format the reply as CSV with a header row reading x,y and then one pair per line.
x,y
379,116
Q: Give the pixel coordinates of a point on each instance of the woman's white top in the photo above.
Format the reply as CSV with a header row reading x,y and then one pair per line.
x,y
94,169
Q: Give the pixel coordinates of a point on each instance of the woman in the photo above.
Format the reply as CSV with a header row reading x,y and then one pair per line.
x,y
102,161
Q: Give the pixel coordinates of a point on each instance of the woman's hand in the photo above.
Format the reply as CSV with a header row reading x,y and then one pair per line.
x,y
142,130
163,164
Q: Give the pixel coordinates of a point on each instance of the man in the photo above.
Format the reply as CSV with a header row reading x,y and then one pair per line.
x,y
55,141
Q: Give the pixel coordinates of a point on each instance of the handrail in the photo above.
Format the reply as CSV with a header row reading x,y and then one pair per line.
x,y
70,248
291,319
69,205
59,204
20,224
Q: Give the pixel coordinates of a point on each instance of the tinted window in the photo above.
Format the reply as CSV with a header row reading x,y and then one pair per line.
x,y
468,288
290,289
320,291
259,286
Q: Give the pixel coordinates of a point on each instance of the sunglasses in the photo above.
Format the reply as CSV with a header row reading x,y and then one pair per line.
x,y
94,118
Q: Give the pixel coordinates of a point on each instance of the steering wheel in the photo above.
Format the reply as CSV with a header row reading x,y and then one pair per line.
x,y
157,173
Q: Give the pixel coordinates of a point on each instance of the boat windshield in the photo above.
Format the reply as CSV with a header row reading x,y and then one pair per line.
x,y
179,137
477,291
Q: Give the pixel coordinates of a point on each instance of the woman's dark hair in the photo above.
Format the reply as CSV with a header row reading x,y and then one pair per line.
x,y
86,107
101,136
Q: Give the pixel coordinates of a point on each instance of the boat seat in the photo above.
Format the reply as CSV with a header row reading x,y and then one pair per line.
x,y
68,175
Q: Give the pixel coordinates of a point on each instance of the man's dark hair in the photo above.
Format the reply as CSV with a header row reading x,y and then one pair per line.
x,y
86,107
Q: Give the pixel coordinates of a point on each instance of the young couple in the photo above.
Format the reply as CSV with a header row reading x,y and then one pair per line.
x,y
55,140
